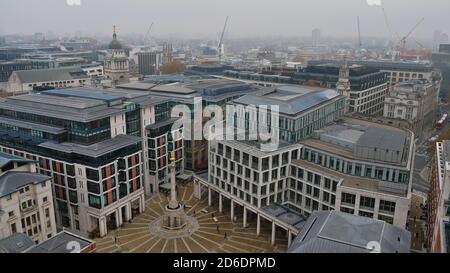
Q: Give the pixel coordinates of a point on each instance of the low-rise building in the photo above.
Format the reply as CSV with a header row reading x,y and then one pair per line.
x,y
63,242
415,101
367,86
337,232
7,68
26,202
27,80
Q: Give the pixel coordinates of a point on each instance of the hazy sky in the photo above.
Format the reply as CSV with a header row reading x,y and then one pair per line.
x,y
247,17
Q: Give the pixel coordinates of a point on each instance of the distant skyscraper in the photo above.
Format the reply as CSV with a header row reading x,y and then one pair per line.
x,y
2,41
315,37
149,62
436,39
444,38
439,38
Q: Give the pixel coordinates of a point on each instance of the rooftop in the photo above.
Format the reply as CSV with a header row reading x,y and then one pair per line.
x,y
50,75
185,90
16,243
78,104
338,232
292,100
360,139
60,243
11,182
5,159
285,215
94,150
355,182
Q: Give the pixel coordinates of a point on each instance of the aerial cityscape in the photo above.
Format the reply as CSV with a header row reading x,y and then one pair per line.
x,y
263,127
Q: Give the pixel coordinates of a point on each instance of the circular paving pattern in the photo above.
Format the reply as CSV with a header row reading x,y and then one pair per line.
x,y
157,229
206,235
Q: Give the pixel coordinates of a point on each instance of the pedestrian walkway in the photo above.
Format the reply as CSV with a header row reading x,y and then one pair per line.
x,y
136,236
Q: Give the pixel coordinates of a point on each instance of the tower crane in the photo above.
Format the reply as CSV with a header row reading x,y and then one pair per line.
x,y
403,40
147,35
359,36
219,47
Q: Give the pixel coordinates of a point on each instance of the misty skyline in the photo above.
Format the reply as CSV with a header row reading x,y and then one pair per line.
x,y
248,18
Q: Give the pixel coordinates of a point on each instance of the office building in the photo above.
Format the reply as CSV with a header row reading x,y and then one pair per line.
x,y
441,60
302,110
92,143
162,141
26,202
211,91
7,68
353,166
149,62
368,86
395,71
415,101
315,37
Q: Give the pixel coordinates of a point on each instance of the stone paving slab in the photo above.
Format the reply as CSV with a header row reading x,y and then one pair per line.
x,y
136,237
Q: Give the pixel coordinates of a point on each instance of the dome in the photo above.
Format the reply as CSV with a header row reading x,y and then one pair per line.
x,y
115,44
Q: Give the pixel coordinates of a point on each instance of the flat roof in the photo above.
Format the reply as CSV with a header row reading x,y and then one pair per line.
x,y
291,99
93,150
34,126
285,215
254,147
360,133
350,181
82,93
161,123
16,243
137,86
60,243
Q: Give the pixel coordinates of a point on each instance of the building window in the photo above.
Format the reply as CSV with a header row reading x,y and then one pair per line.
x,y
94,201
367,202
387,219
348,199
347,210
387,207
366,214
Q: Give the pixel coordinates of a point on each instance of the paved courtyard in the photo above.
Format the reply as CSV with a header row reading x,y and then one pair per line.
x,y
210,236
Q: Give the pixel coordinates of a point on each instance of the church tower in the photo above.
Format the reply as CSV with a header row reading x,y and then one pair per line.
x,y
343,85
116,65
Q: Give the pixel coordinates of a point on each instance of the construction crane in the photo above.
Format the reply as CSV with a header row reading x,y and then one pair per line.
x,y
403,40
147,35
219,47
359,35
388,25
